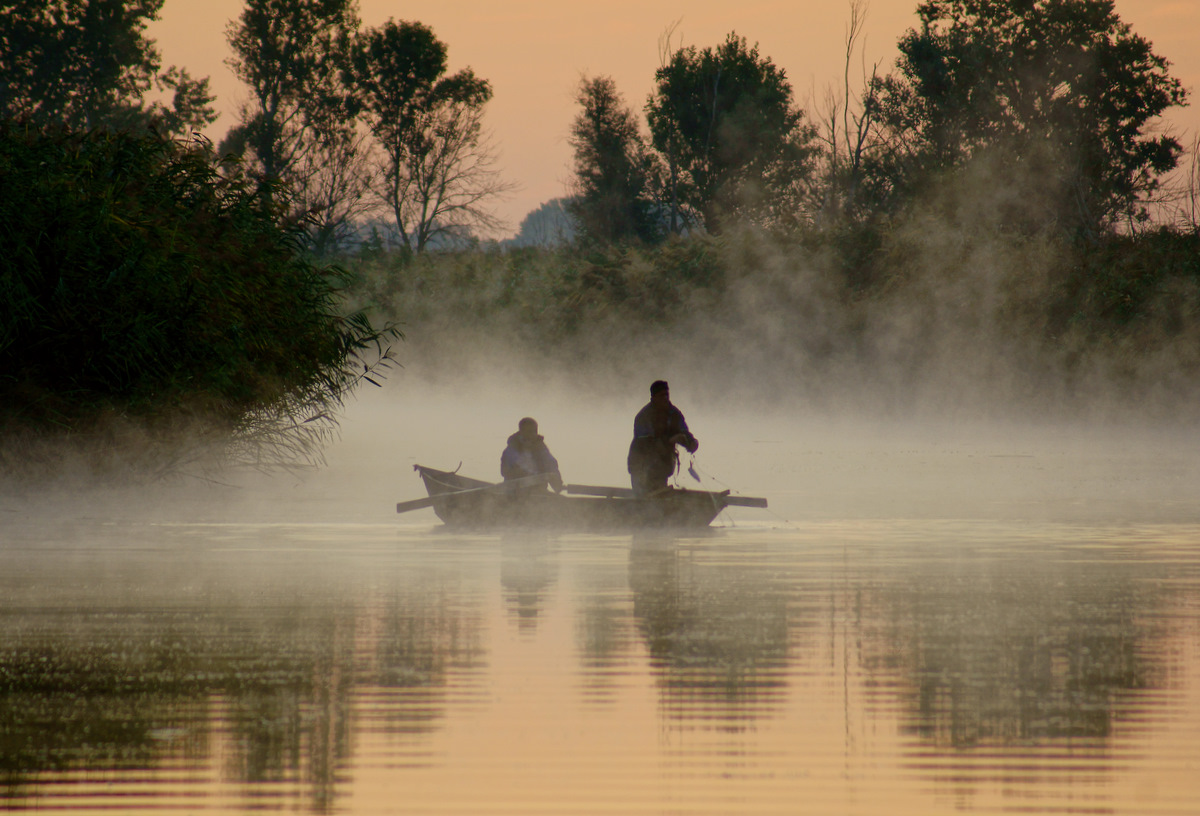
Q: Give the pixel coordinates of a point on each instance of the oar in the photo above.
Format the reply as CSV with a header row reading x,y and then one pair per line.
x,y
745,501
417,504
429,501
626,493
606,492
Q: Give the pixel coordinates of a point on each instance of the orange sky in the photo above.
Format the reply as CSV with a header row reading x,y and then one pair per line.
x,y
534,53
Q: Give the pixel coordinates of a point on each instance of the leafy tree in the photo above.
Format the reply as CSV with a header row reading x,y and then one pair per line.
x,y
612,200
82,64
143,282
300,123
733,141
438,168
191,106
286,51
1059,92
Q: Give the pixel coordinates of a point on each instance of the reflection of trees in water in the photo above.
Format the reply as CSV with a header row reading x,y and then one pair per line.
x,y
286,689
57,713
75,698
1015,653
420,640
122,689
717,634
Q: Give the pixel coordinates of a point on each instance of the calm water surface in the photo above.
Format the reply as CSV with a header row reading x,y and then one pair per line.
x,y
841,667
925,622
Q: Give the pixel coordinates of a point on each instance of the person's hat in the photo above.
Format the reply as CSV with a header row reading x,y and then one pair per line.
x,y
658,385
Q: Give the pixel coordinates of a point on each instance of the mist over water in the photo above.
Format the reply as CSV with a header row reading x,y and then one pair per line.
x,y
949,604
811,463
974,589
849,462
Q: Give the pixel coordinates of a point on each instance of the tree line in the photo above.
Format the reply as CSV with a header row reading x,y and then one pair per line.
x,y
186,270
158,304
83,64
352,120
1061,94
1059,97
363,120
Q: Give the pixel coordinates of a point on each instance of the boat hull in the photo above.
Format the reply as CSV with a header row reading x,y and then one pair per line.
x,y
463,502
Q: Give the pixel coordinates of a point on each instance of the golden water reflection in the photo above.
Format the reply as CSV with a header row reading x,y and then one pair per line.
x,y
874,668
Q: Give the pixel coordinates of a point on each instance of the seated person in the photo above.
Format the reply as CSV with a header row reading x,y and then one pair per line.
x,y
527,455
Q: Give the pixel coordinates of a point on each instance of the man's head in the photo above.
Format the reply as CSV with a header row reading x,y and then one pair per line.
x,y
528,428
660,392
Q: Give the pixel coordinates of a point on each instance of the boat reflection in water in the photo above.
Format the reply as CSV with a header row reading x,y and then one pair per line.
x,y
528,570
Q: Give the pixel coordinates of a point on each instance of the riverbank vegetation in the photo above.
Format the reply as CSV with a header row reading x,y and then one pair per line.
x,y
154,300
911,317
990,225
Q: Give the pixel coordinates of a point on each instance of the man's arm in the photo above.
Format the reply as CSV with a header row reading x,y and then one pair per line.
x,y
550,465
642,426
684,436
509,468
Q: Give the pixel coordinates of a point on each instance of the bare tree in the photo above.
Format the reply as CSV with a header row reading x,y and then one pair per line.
x,y
671,181
1192,210
1177,201
439,190
335,181
436,164
846,122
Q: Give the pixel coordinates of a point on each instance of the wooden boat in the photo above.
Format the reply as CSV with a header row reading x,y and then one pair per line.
x,y
463,502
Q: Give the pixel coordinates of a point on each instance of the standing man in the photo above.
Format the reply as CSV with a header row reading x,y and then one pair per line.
x,y
657,429
526,454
